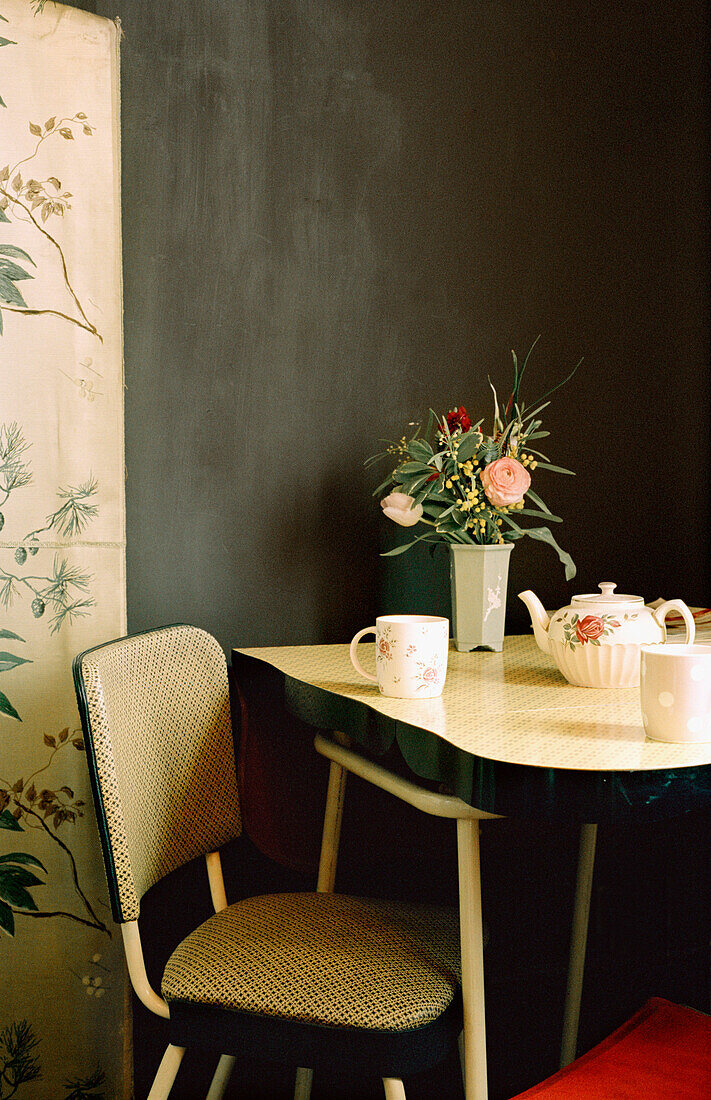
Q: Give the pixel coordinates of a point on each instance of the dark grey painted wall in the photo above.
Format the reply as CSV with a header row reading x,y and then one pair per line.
x,y
338,212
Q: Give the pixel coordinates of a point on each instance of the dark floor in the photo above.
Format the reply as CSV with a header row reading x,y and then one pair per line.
x,y
650,929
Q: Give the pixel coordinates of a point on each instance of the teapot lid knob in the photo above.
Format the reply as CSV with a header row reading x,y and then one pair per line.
x,y
607,587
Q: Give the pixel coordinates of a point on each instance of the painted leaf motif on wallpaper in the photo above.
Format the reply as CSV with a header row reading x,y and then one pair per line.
x,y
64,589
23,200
9,661
26,805
20,1064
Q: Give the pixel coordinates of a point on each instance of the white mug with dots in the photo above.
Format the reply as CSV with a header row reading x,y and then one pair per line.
x,y
675,688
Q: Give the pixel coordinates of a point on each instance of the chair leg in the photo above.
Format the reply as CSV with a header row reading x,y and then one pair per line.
x,y
578,943
167,1072
472,944
460,1048
220,1081
328,862
302,1087
394,1088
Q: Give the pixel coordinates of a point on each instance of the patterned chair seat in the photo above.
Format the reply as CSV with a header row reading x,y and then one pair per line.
x,y
323,959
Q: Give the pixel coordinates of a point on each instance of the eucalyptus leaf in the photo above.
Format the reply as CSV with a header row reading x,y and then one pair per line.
x,y
375,458
537,501
468,446
417,484
410,469
542,534
419,449
406,546
488,452
555,469
10,634
540,408
540,515
383,485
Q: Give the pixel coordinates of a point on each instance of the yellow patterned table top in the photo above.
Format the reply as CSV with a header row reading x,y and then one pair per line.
x,y
512,706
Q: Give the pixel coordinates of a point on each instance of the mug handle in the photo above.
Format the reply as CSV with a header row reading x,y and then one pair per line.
x,y
663,610
356,663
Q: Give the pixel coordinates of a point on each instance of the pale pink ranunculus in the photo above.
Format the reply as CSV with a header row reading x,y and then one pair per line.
x,y
398,507
505,481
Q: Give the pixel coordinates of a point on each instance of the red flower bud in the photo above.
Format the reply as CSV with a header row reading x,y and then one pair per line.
x,y
458,418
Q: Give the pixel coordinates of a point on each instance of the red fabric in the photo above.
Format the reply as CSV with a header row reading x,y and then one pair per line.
x,y
661,1053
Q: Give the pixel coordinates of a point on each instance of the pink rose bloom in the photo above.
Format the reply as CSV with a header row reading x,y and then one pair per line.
x,y
505,481
430,675
398,507
589,627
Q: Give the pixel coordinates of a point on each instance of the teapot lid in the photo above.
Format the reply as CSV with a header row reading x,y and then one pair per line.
x,y
606,594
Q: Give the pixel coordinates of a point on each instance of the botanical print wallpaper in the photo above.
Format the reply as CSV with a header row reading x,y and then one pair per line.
x,y
63,1016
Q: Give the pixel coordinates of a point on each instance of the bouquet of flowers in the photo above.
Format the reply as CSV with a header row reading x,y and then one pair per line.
x,y
468,487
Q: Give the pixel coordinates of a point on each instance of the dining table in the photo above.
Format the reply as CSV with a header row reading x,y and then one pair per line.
x,y
510,737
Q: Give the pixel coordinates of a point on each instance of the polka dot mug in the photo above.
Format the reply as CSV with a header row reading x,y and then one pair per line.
x,y
675,689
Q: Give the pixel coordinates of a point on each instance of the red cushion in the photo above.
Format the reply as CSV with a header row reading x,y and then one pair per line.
x,y
661,1053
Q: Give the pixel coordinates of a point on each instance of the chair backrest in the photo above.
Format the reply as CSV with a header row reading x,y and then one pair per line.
x,y
155,709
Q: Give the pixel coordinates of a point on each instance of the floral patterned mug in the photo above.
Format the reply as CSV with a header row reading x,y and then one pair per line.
x,y
410,655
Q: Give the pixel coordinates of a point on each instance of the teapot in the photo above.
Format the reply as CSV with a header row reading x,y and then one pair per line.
x,y
596,640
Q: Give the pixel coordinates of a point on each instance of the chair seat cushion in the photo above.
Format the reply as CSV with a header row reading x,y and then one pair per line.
x,y
661,1053
322,959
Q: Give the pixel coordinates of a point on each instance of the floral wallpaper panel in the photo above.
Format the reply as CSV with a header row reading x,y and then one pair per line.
x,y
64,1028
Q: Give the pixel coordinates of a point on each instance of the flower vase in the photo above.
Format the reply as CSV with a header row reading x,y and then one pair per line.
x,y
479,575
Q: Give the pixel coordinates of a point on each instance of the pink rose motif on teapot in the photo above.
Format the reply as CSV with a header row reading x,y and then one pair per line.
x,y
588,629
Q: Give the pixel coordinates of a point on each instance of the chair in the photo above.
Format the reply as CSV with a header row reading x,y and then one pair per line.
x,y
314,980
663,1052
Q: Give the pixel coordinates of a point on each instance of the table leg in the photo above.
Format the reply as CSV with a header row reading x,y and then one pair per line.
x,y
472,944
578,943
331,828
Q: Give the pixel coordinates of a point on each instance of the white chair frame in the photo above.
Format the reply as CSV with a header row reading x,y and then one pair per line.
x,y
173,1056
473,1039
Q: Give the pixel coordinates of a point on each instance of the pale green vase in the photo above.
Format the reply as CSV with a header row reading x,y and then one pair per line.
x,y
479,575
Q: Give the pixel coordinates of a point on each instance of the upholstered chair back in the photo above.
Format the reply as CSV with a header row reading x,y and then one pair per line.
x,y
156,714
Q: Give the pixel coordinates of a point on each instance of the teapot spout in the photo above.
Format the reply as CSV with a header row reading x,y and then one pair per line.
x,y
539,618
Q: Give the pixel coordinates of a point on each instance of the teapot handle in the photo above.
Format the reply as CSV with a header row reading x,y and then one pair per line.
x,y
663,610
